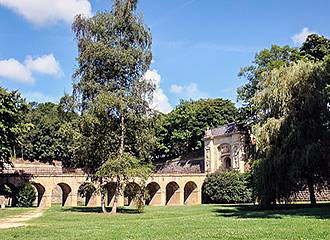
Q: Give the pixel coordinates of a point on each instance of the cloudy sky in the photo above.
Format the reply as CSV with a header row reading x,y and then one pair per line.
x,y
198,45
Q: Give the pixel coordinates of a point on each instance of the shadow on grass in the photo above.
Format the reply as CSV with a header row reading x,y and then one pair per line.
x,y
321,211
99,210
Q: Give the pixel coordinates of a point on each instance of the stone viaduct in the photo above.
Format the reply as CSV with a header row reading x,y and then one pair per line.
x,y
56,185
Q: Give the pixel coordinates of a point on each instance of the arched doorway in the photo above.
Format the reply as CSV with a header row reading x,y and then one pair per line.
x,y
172,194
85,195
190,193
40,191
154,194
228,164
9,191
62,194
130,192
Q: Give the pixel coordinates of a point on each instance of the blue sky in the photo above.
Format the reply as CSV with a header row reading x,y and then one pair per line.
x,y
198,45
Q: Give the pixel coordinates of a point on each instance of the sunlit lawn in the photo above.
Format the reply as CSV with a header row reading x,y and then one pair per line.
x,y
7,212
197,222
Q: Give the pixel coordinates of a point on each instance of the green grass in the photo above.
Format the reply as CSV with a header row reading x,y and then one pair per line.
x,y
8,212
197,222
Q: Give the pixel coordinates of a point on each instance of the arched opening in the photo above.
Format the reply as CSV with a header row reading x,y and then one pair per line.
x,y
40,191
130,192
227,162
154,194
190,193
172,194
110,193
9,191
62,194
85,195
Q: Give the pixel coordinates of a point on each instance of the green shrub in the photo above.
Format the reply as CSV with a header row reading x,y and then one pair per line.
x,y
26,196
227,187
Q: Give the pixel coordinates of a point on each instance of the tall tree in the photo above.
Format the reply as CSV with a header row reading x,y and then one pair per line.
x,y
12,124
114,54
264,62
292,134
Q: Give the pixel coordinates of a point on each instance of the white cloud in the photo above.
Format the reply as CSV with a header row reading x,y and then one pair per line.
x,y
177,89
49,11
189,91
160,100
14,70
45,64
299,38
39,97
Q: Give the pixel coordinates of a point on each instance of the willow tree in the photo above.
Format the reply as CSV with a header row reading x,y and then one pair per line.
x,y
293,131
114,54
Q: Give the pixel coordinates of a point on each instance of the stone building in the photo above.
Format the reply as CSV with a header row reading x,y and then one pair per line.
x,y
224,149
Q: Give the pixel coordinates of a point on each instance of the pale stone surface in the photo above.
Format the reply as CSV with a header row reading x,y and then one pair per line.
x,y
57,185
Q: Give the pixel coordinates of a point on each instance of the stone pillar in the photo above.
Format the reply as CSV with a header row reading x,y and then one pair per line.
x,y
181,194
162,197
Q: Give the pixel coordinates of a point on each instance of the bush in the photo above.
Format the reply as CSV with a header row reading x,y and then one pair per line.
x,y
227,187
26,196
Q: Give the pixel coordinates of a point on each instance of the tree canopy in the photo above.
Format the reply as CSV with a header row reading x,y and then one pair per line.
x,y
114,54
13,109
182,130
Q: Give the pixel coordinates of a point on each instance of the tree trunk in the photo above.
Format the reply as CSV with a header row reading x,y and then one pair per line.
x,y
104,210
310,183
122,136
116,197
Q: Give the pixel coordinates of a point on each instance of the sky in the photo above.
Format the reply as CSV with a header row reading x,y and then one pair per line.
x,y
198,48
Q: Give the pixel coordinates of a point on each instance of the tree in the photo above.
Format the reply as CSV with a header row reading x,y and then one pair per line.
x,y
264,62
50,137
12,124
182,130
315,47
292,134
114,54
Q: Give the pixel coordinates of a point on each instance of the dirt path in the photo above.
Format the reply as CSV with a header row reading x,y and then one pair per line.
x,y
19,220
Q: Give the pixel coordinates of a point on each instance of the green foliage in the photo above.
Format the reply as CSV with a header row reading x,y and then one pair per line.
x,y
26,196
114,54
182,130
12,124
227,187
315,47
292,136
52,136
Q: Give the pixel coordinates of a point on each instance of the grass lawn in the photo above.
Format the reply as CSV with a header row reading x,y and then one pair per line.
x,y
196,222
8,212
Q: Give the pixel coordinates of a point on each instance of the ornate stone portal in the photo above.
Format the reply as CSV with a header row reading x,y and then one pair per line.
x,y
224,149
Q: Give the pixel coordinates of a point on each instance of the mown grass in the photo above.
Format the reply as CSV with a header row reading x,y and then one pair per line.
x,y
196,222
8,211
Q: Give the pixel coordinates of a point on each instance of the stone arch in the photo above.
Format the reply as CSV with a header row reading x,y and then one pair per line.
x,y
40,191
85,194
130,192
172,194
110,193
62,194
11,195
154,194
190,193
